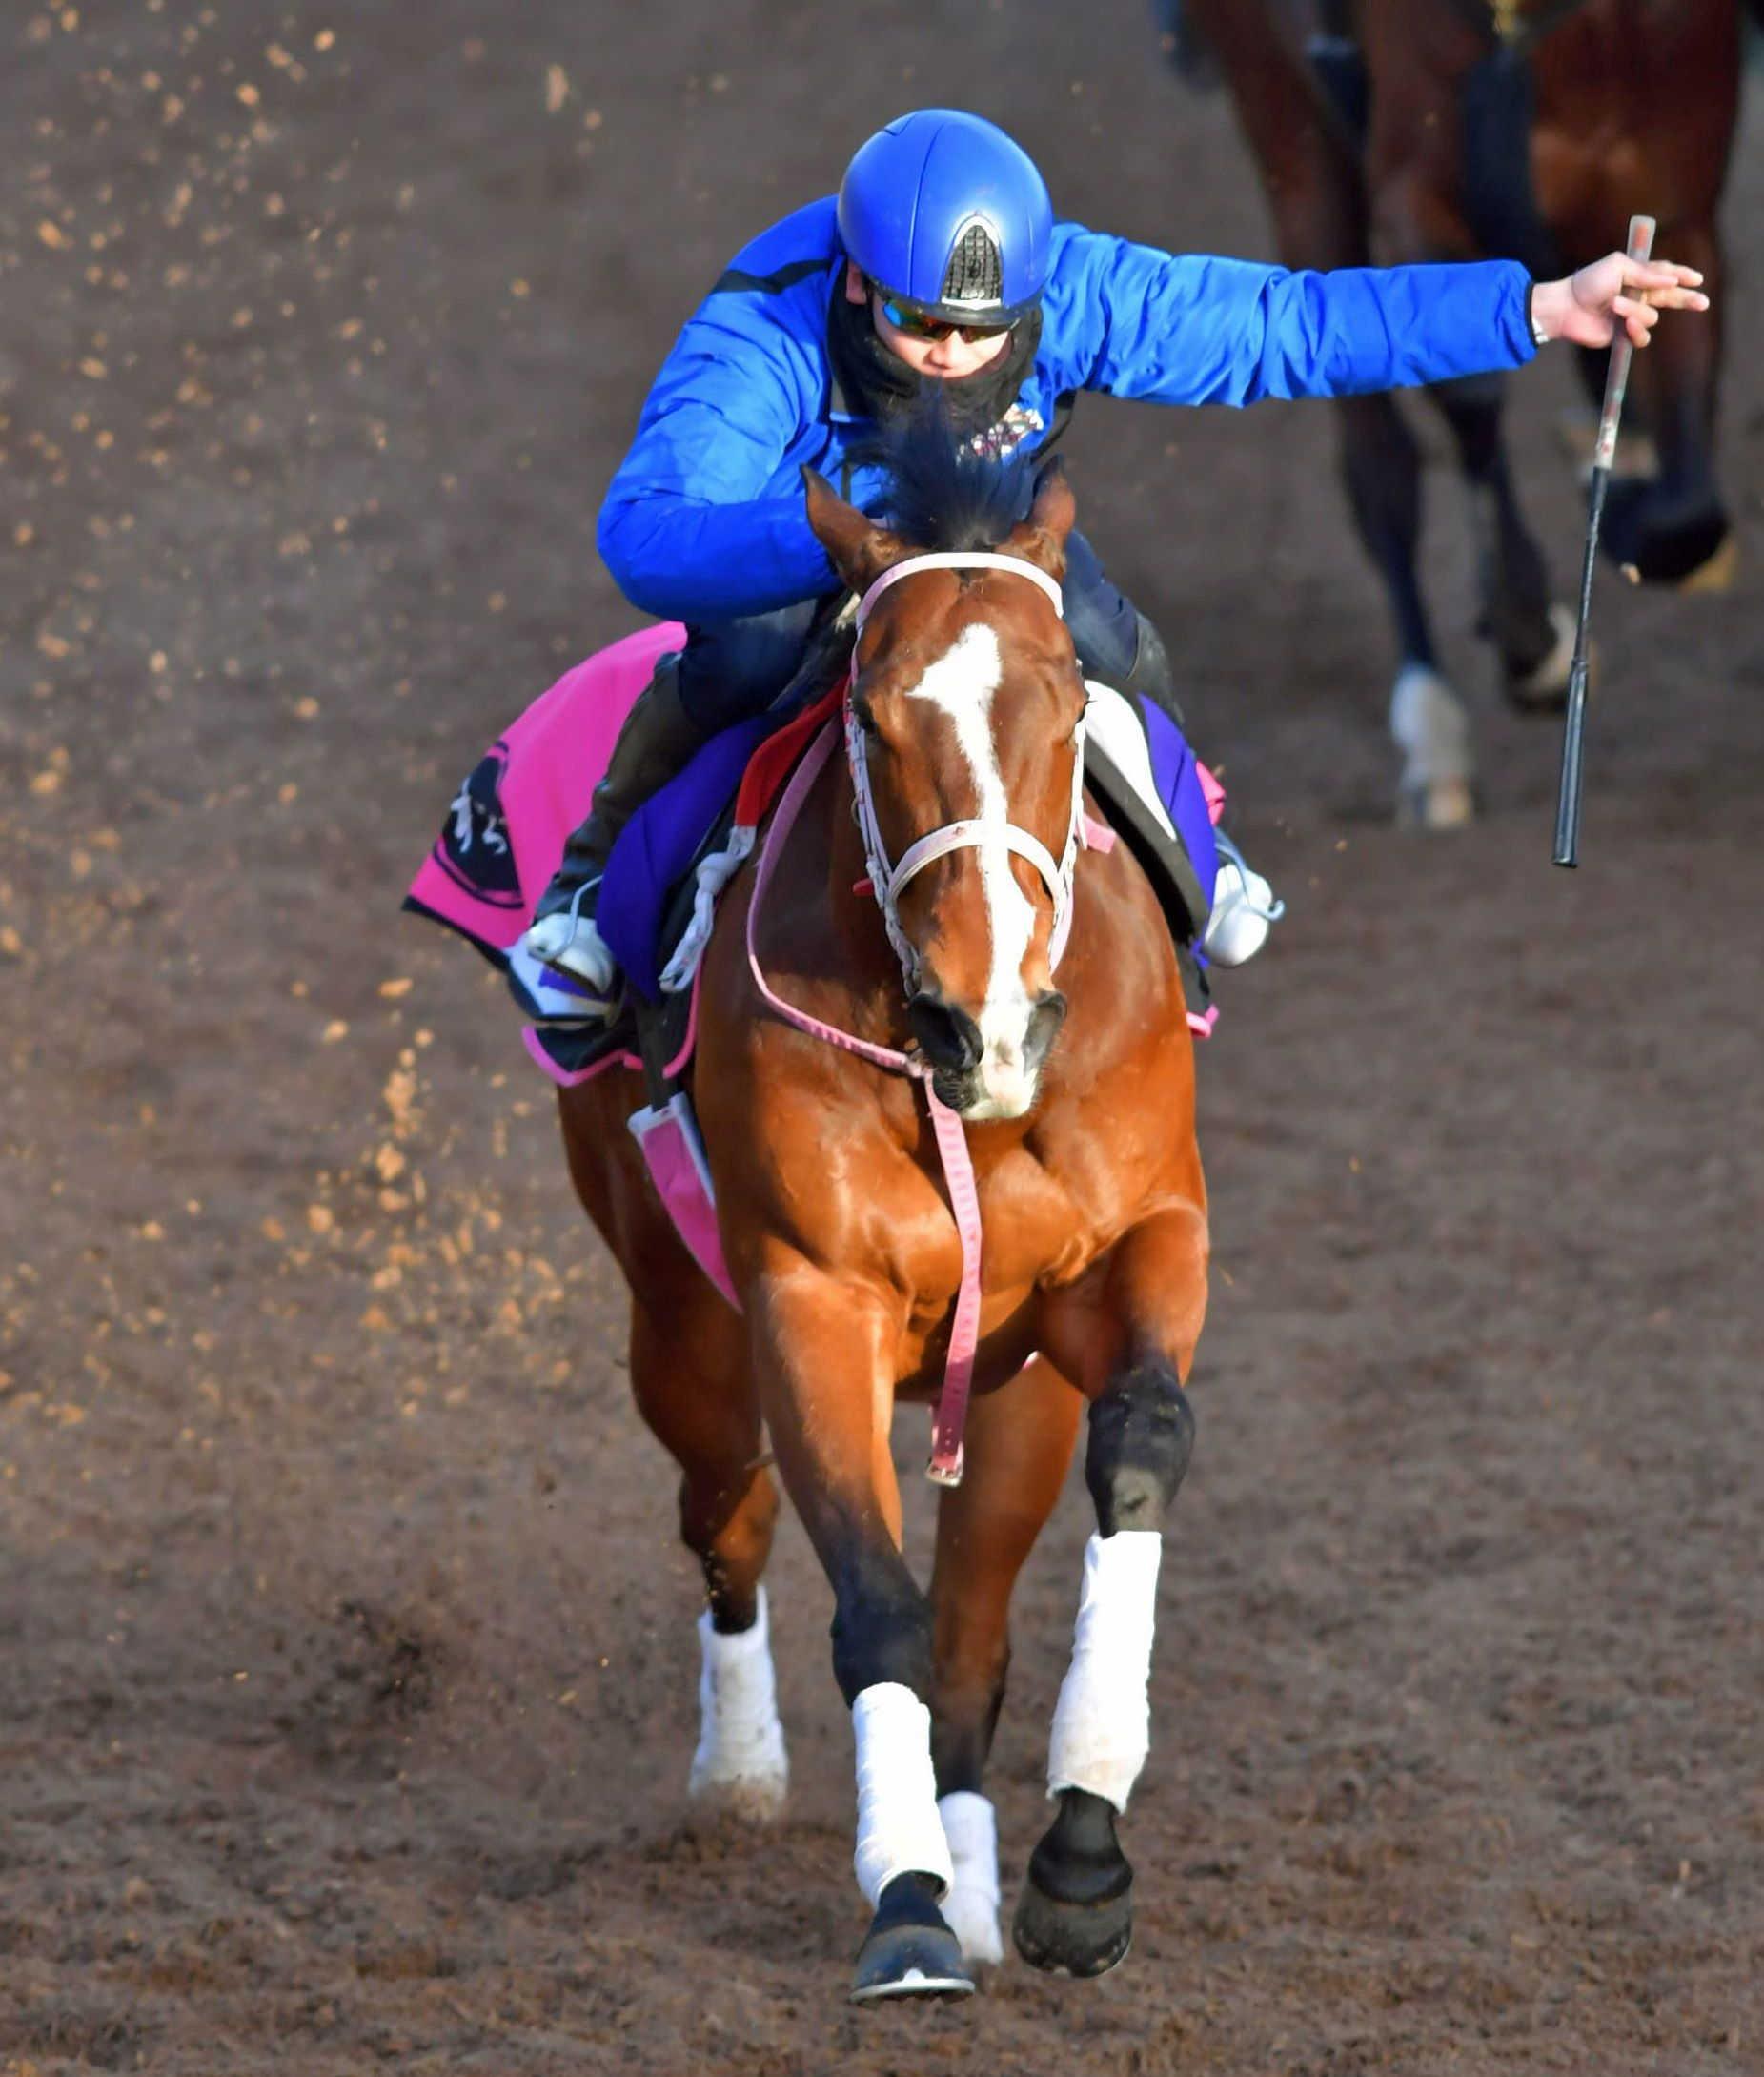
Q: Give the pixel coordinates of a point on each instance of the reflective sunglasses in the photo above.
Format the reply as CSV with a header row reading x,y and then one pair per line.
x,y
934,329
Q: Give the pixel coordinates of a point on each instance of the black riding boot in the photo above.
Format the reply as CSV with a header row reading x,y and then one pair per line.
x,y
1153,673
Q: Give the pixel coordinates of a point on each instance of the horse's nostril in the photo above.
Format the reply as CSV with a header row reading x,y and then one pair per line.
x,y
948,1035
1045,1022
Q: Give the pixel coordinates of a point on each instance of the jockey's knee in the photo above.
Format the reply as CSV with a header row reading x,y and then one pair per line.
x,y
1153,674
881,1626
1142,1435
731,669
1100,618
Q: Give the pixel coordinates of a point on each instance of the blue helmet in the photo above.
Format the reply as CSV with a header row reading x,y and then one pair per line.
x,y
946,213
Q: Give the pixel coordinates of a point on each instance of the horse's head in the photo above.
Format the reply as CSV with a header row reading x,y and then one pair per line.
x,y
965,733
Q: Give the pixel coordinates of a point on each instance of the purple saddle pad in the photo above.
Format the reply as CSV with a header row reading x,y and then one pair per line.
x,y
657,846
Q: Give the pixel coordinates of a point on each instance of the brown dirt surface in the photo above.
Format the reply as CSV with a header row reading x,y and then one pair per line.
x,y
347,1687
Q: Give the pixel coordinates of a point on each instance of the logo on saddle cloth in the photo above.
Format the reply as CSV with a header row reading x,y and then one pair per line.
x,y
472,848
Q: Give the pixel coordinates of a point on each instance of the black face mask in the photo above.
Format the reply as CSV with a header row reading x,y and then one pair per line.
x,y
878,383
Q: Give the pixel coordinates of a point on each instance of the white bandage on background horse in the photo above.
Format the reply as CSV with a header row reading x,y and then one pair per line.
x,y
740,1764
1102,1723
971,1908
898,1829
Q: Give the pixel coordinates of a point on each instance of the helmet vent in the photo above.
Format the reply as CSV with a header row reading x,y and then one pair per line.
x,y
975,272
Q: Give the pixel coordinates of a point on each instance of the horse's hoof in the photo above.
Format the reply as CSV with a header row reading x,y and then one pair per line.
x,y
1086,1927
1072,1939
1718,572
1439,804
1429,726
909,1952
1543,688
751,1800
1663,540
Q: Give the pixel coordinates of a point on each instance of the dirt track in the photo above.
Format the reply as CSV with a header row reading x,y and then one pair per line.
x,y
347,1686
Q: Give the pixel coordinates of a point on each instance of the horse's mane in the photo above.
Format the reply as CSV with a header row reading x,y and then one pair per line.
x,y
942,494
945,494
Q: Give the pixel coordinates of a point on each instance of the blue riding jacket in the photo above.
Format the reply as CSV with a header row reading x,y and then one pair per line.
x,y
704,520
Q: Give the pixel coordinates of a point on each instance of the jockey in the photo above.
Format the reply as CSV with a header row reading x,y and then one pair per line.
x,y
940,260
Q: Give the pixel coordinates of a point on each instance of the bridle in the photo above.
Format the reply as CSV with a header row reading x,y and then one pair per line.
x,y
888,881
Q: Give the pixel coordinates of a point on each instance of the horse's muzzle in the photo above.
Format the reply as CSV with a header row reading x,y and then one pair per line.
x,y
982,1074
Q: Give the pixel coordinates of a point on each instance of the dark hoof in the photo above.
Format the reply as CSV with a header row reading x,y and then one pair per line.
x,y
1536,680
909,1952
1076,1914
1072,1939
1663,539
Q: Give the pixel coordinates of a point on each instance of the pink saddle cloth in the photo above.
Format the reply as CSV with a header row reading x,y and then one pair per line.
x,y
508,821
501,841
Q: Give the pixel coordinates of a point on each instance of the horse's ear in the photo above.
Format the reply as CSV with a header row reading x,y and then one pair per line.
x,y
1040,538
860,550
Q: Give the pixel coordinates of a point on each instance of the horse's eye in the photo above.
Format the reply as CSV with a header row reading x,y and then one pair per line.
x,y
864,717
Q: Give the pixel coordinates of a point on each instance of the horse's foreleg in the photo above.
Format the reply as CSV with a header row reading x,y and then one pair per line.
x,y
1673,529
691,1385
1019,1445
1381,467
820,1348
1076,1913
1535,636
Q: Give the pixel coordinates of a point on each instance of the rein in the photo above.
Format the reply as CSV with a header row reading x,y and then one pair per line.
x,y
949,1418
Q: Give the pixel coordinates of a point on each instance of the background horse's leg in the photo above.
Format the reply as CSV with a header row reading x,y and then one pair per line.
x,y
1534,636
1311,169
1673,529
1076,1913
1381,467
1610,143
823,1353
1019,1445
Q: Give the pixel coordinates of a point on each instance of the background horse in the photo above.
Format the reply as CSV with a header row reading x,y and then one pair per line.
x,y
1434,129
965,725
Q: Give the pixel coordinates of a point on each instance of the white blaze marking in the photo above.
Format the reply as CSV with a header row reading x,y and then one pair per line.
x,y
960,684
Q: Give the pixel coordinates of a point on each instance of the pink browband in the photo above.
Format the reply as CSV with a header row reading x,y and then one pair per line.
x,y
1015,565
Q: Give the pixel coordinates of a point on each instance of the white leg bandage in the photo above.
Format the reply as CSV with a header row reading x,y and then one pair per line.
x,y
740,1760
1102,1723
971,1908
899,1830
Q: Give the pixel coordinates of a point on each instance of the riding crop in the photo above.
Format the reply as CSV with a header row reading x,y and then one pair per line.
x,y
1617,381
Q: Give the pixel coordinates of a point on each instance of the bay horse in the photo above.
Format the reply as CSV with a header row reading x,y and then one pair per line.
x,y
1424,154
886,1069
